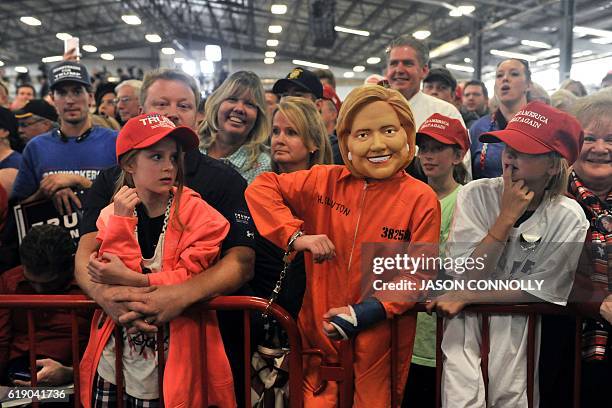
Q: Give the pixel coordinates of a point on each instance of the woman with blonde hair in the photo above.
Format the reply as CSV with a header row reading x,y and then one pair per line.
x,y
299,138
235,125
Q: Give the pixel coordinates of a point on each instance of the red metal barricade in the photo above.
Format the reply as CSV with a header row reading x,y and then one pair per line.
x,y
345,398
245,303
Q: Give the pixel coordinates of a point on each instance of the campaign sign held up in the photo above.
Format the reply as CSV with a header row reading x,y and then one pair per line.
x,y
28,215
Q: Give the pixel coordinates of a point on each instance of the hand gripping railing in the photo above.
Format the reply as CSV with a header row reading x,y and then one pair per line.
x,y
245,303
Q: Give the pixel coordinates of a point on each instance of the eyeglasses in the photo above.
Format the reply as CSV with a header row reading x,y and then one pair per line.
x,y
28,124
124,99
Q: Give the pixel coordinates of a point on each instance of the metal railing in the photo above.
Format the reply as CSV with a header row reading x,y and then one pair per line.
x,y
245,303
345,373
341,372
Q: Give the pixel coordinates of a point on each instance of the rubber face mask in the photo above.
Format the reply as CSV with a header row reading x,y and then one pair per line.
x,y
377,144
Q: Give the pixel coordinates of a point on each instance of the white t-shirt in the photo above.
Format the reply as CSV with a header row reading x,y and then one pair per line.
x,y
139,350
558,227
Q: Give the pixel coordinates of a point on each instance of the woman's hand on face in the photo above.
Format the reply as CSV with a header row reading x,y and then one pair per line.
x,y
515,198
320,246
125,201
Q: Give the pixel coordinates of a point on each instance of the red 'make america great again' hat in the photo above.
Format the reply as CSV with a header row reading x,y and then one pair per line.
x,y
538,129
445,130
145,130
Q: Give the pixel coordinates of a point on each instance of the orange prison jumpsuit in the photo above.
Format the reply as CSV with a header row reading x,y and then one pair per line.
x,y
186,252
350,211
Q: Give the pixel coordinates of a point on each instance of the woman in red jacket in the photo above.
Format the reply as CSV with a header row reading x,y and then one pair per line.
x,y
334,213
164,233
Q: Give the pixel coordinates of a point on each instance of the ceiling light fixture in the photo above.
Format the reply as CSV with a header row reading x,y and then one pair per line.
x,y
278,9
107,56
168,51
352,31
462,68
272,43
54,58
90,48
373,60
582,31
268,61
509,54
21,70
349,74
450,46
63,36
421,34
1,63
536,44
601,40
275,29
310,64
582,53
548,61
466,9
358,68
270,54
153,38
131,19
548,53
467,60
31,21
213,53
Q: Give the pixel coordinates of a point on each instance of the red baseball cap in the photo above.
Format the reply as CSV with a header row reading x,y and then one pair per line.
x,y
539,128
147,129
445,130
330,94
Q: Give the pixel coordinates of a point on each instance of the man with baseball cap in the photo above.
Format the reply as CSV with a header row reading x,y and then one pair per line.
x,y
35,118
70,157
440,84
300,82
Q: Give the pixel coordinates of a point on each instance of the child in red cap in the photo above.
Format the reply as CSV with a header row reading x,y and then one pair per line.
x,y
164,233
523,230
442,143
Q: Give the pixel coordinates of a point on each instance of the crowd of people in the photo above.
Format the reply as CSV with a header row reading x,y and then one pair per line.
x,y
182,200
